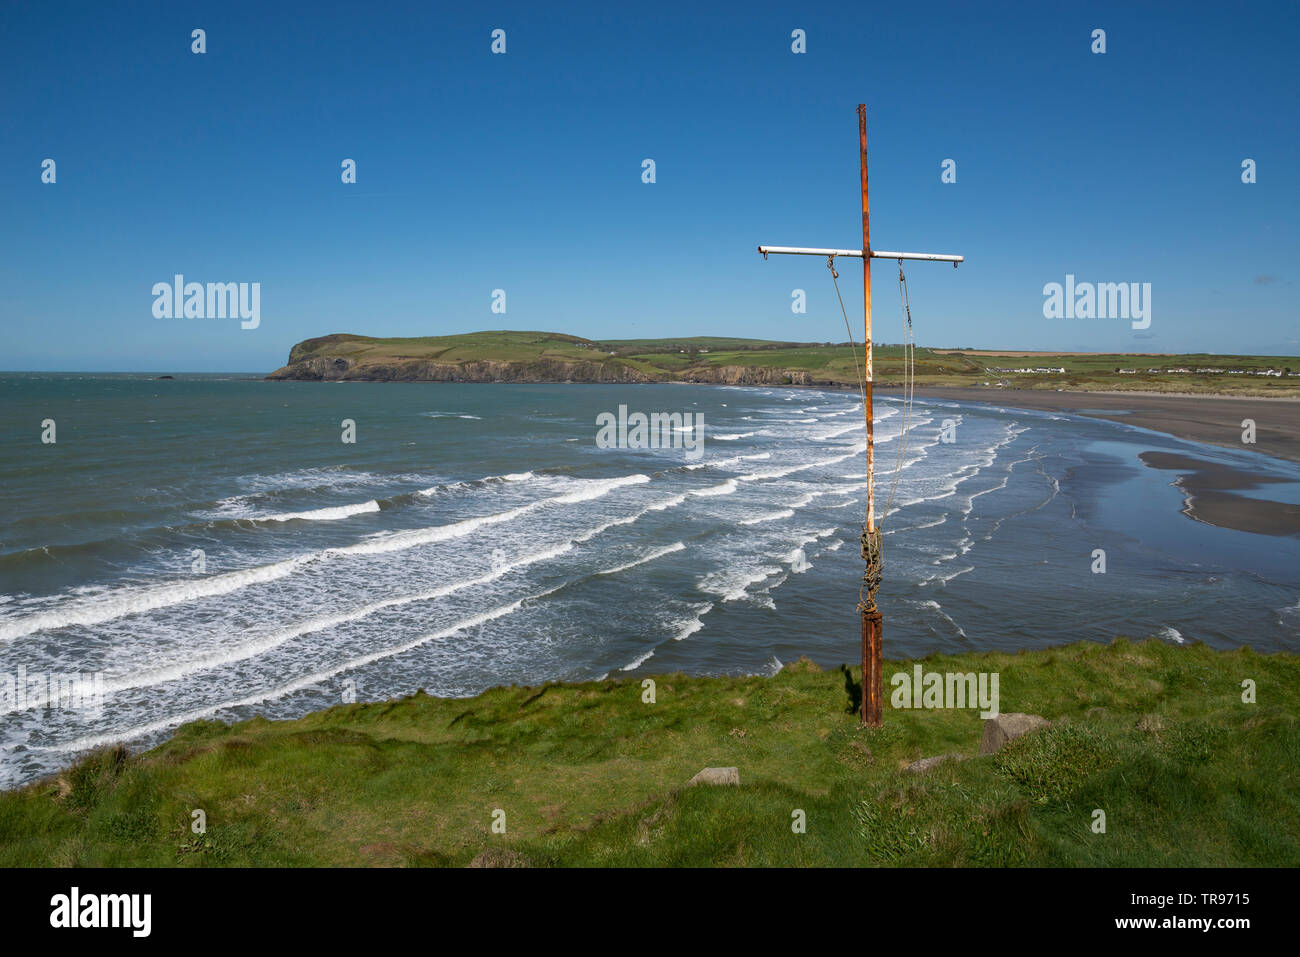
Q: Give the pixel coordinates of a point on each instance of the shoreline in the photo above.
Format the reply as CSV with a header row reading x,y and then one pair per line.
x,y
1209,488
1209,495
1209,419
365,765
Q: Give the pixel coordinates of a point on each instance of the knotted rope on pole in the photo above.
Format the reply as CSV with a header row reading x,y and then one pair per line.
x,y
873,553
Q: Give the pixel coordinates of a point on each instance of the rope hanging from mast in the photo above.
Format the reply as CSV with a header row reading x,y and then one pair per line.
x,y
872,544
909,384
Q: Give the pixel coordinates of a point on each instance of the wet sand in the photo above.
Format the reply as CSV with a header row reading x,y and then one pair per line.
x,y
1209,488
1214,420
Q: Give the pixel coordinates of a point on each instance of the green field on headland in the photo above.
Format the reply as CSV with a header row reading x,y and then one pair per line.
x,y
505,356
1157,736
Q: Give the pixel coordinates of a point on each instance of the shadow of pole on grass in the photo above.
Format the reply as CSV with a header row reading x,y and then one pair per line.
x,y
853,689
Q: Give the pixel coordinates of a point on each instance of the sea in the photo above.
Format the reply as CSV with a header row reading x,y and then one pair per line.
x,y
210,546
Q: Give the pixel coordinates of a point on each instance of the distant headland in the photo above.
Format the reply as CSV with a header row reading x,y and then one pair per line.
x,y
537,357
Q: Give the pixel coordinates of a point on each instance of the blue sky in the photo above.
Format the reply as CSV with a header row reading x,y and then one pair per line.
x,y
523,172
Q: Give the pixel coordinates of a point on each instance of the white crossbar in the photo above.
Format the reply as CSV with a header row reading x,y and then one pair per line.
x,y
857,253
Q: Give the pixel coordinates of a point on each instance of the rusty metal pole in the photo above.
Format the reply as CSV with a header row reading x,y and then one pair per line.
x,y
872,683
872,665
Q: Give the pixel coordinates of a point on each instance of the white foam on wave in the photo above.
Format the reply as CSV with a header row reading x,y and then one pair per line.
x,y
333,477
769,517
908,528
332,514
660,506
790,470
727,463
272,640
299,684
808,496
657,553
689,626
951,481
836,433
1170,633
734,436
733,584
943,578
639,661
724,488
457,486
133,600
857,407
397,541
938,609
1287,614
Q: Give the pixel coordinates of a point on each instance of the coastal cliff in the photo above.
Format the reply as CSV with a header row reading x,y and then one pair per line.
x,y
513,357
528,357
324,368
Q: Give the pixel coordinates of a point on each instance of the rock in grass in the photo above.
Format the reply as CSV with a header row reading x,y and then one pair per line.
x,y
1007,727
925,764
716,776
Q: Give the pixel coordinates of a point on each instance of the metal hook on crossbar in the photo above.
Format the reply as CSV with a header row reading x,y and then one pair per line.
x,y
830,264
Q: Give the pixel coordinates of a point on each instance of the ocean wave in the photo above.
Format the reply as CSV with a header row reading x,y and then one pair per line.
x,y
660,506
938,609
411,538
733,584
639,661
133,599
274,639
727,463
153,727
689,626
657,553
329,514
724,488
791,470
1170,633
485,480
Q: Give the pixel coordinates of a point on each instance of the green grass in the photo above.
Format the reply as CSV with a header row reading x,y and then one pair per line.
x,y
502,345
828,363
1101,371
1156,736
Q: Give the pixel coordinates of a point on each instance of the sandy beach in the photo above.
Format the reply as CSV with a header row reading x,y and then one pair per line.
x,y
1214,420
1210,489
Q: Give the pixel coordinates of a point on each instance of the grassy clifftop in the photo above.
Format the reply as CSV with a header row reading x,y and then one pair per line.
x,y
507,356
589,774
500,356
